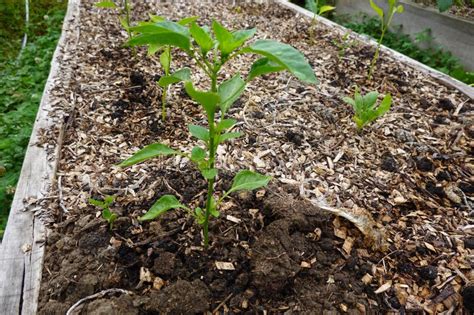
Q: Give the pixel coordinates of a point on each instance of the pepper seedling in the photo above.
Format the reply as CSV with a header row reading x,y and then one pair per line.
x,y
165,60
316,9
364,107
124,14
211,51
393,7
107,215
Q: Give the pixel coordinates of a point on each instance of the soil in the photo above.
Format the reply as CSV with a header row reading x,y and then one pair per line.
x,y
274,250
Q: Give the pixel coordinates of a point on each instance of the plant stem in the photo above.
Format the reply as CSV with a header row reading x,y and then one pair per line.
x,y
163,104
379,43
127,18
212,158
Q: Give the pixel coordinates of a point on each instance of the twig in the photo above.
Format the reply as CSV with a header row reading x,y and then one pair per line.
x,y
221,304
96,295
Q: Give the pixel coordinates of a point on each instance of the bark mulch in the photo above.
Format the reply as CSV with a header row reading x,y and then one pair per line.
x,y
409,175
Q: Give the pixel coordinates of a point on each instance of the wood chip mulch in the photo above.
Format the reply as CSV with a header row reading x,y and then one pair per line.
x,y
412,169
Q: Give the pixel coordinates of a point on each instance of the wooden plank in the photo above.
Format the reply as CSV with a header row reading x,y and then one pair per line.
x,y
22,248
444,78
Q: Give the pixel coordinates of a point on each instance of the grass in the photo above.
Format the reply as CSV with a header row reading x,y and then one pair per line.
x,y
21,83
434,57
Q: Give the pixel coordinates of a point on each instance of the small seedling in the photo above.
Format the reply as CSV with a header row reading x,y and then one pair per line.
x,y
364,107
343,44
124,14
314,6
393,8
107,215
165,60
211,51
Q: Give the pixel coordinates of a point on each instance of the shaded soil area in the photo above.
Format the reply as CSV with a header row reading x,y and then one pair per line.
x,y
272,250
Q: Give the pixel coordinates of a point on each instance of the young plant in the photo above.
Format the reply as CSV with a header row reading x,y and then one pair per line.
x,y
107,215
314,6
343,44
393,8
211,51
124,14
364,107
165,60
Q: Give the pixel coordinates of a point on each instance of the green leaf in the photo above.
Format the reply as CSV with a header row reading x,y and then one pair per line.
x,y
286,56
198,154
400,9
106,4
165,203
229,91
229,135
199,132
199,215
209,173
326,8
224,38
153,49
208,100
263,66
225,124
241,36
376,8
180,75
202,38
109,200
384,105
370,99
165,60
97,203
248,180
311,6
156,18
349,101
444,5
213,209
148,152
188,20
162,33
109,216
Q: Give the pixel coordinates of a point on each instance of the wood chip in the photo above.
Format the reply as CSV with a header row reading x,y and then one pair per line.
x,y
222,265
384,287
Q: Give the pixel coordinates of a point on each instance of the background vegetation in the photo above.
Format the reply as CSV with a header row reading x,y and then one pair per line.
x,y
22,81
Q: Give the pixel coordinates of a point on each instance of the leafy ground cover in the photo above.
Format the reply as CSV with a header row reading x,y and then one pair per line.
x,y
21,85
434,57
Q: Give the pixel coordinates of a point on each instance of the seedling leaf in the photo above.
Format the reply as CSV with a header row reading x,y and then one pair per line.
x,y
209,173
376,8
248,180
165,203
229,91
285,55
208,100
199,132
202,38
263,66
148,152
229,135
225,124
179,76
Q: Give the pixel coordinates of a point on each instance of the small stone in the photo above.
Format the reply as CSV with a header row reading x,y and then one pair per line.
x,y
424,164
428,272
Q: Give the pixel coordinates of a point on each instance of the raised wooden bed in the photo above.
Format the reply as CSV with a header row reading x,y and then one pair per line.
x,y
93,108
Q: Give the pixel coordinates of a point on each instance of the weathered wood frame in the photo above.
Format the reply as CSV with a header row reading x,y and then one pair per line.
x,y
22,250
